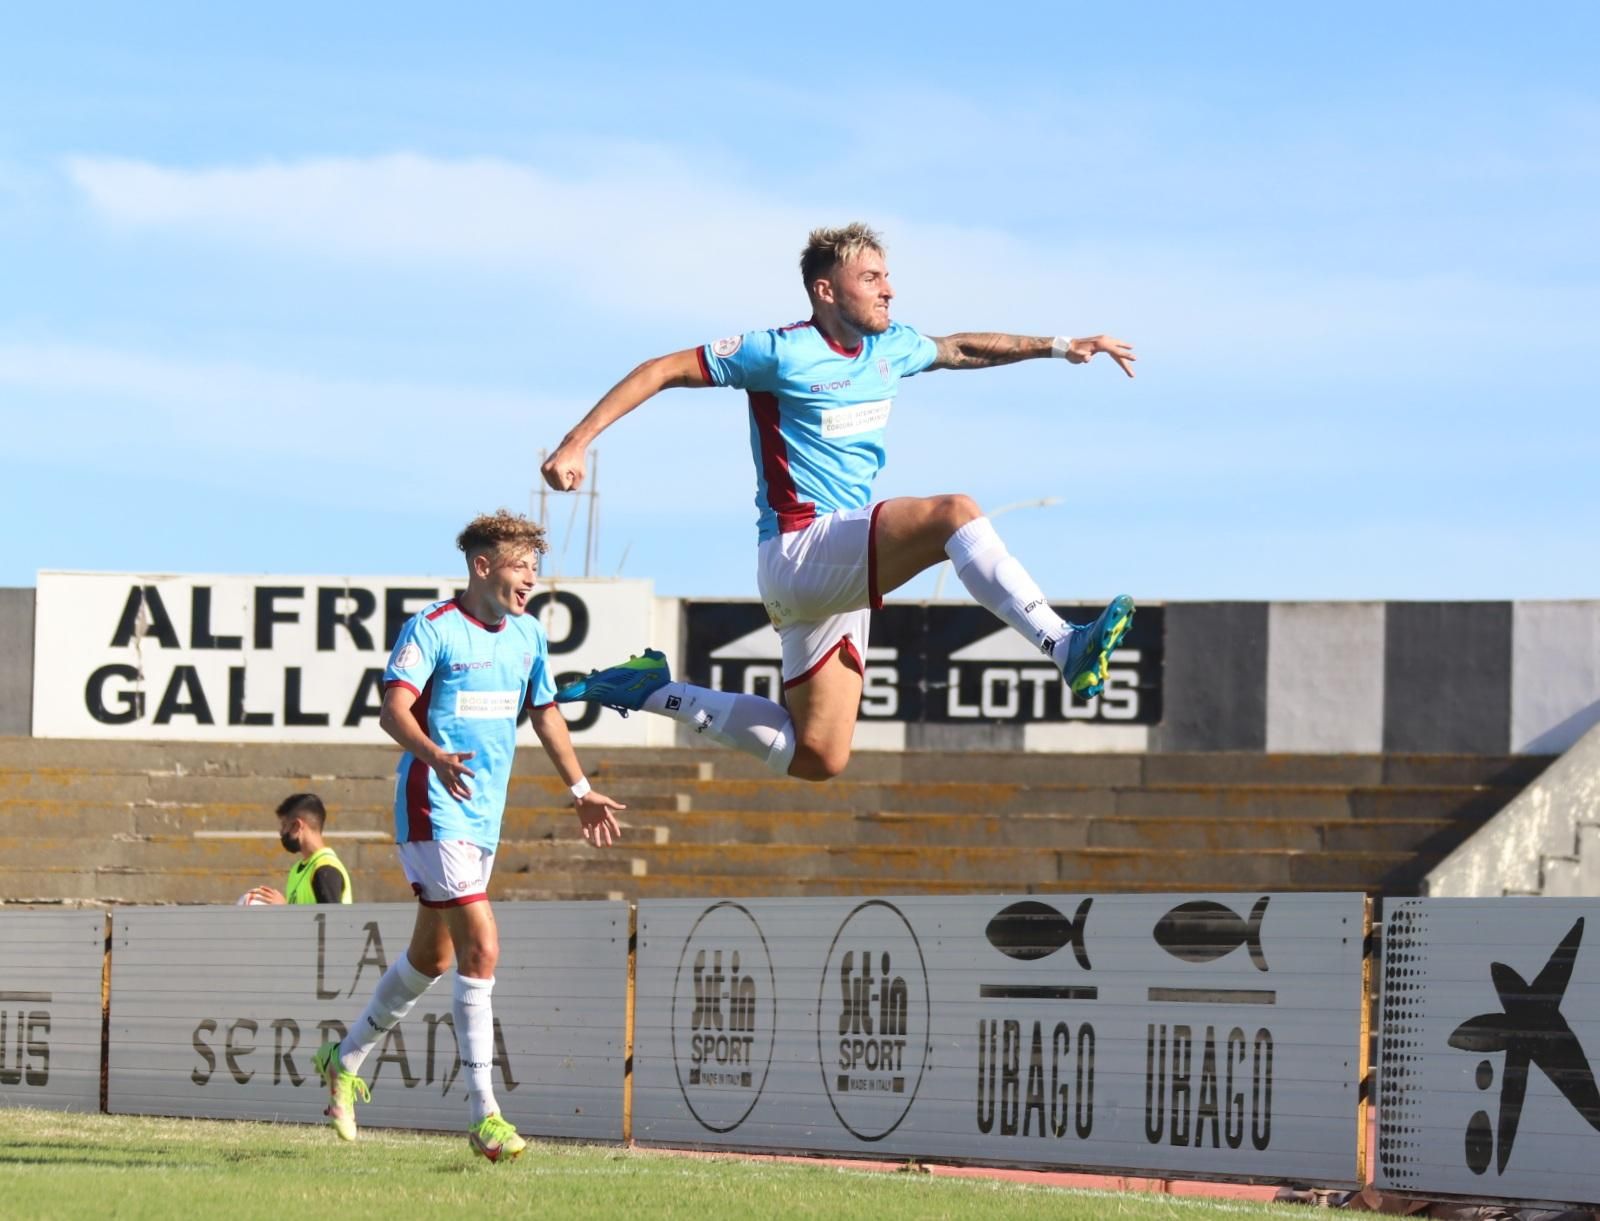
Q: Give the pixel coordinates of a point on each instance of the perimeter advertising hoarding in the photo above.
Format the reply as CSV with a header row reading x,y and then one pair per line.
x,y
50,970
1176,1035
278,658
940,663
1486,1064
216,1012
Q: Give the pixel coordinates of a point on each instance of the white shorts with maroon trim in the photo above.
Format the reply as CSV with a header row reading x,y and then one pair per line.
x,y
447,872
820,588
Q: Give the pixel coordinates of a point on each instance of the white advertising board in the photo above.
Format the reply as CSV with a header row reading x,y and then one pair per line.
x,y
50,1015
1183,1035
280,658
216,1012
1486,1064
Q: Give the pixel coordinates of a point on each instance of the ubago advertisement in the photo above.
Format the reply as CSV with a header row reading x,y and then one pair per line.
x,y
1194,1035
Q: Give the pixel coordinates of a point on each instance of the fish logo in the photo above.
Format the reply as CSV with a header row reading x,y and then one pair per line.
x,y
1030,929
1203,931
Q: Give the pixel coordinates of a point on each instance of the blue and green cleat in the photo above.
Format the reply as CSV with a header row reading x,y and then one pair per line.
x,y
1089,647
624,687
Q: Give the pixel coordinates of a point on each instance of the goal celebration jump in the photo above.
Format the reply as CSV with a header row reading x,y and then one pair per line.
x,y
820,394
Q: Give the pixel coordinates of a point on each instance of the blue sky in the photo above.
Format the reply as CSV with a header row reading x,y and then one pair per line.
x,y
302,290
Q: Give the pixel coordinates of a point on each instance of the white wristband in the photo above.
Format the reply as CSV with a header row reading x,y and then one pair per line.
x,y
1060,346
581,789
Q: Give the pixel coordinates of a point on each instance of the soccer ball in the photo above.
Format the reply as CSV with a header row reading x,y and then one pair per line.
x,y
248,899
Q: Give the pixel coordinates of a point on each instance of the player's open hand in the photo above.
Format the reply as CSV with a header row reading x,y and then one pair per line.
x,y
1082,351
453,770
563,470
599,822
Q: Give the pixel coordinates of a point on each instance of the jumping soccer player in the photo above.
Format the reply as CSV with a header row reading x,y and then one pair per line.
x,y
820,394
460,673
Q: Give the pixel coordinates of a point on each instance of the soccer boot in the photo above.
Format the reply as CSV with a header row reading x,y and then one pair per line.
x,y
343,1089
492,1137
623,687
1083,665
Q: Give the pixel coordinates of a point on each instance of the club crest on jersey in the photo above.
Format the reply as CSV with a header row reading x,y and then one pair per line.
x,y
727,347
407,657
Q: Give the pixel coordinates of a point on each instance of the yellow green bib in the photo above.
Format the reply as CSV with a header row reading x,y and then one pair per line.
x,y
298,888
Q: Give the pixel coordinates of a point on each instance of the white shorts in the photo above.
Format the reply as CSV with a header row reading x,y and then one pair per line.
x,y
820,588
447,872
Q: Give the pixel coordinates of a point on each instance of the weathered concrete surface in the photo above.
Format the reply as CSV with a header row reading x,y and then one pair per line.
x,y
1544,825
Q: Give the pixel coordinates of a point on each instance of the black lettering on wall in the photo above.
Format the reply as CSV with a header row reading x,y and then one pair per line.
x,y
200,636
354,620
94,696
158,624
185,681
268,614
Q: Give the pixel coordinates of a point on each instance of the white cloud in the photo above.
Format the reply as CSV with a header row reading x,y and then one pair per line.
x,y
644,233
92,401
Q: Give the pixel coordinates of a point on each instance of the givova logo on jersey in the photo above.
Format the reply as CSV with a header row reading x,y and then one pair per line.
x,y
873,1017
724,1016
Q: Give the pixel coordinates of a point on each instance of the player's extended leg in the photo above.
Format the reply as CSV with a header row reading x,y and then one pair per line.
x,y
476,939
408,977
759,727
912,534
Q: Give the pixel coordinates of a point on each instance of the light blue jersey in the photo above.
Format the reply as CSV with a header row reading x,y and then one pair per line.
x,y
817,413
471,681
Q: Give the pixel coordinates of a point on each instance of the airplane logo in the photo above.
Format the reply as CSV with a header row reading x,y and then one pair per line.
x,y
1530,1030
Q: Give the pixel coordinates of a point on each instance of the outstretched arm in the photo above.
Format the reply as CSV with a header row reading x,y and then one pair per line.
x,y
563,470
986,349
596,811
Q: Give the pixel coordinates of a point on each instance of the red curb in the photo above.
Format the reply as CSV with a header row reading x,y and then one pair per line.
x,y
1034,1178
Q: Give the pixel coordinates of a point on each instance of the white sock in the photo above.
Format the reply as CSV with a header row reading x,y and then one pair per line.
x,y
748,723
999,582
392,999
474,1016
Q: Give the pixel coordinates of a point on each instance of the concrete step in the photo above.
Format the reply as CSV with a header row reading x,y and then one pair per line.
x,y
292,760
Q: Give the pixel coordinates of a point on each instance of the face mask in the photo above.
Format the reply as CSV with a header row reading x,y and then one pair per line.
x,y
290,841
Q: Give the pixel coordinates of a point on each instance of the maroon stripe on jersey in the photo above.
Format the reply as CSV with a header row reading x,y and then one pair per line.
x,y
444,608
845,643
419,810
480,897
837,347
705,369
874,594
793,513
455,605
400,682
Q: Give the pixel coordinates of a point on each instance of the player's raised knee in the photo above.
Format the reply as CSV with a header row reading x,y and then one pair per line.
x,y
957,510
820,761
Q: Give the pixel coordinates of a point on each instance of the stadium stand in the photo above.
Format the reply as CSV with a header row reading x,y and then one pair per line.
x,y
192,823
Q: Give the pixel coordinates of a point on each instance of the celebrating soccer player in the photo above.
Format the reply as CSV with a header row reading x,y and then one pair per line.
x,y
458,677
820,393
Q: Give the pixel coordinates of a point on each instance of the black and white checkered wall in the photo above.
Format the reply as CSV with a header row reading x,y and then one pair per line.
x,y
1380,677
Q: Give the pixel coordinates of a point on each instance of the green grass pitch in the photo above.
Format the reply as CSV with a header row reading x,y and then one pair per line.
x,y
55,1165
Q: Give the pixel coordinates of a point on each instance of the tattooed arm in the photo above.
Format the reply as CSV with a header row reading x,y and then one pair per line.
x,y
986,349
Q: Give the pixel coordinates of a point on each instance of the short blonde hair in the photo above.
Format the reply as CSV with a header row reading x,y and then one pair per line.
x,y
502,528
827,248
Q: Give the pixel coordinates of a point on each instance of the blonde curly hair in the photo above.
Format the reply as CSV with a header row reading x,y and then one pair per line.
x,y
490,532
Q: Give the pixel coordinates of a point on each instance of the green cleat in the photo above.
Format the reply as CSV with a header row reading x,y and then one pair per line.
x,y
492,1137
622,687
343,1089
1090,646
